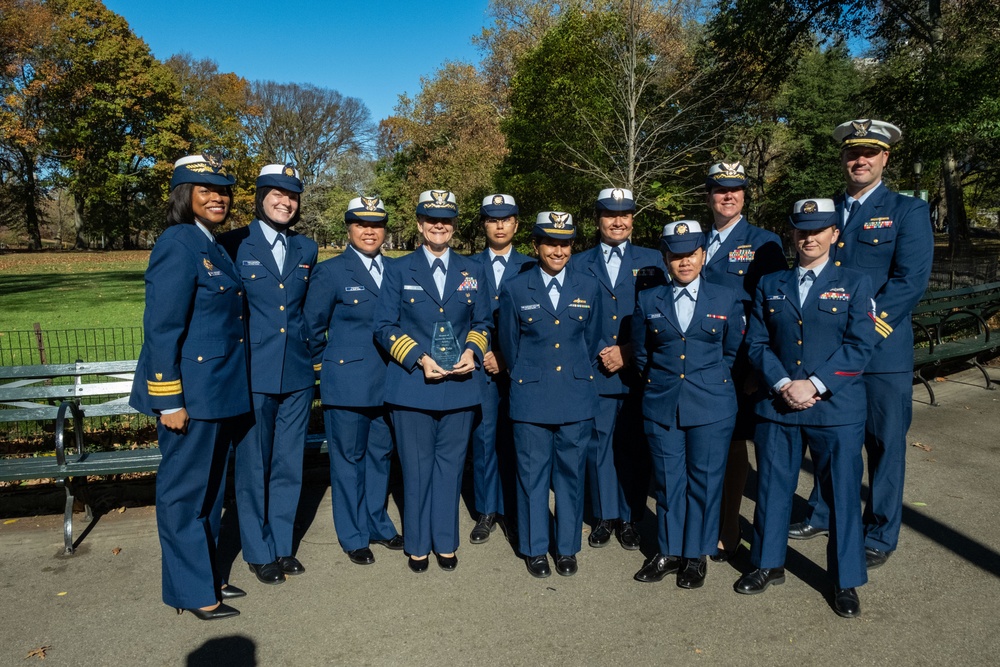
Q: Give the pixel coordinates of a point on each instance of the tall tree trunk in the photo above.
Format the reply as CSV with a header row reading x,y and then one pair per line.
x,y
30,201
958,221
78,219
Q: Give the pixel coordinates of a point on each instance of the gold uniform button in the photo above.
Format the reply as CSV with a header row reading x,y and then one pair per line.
x,y
798,362
282,329
241,340
496,298
614,298
683,339
614,317
834,309
520,381
221,288
355,301
199,357
771,310
800,321
740,272
800,342
591,377
581,317
558,368
682,376
874,240
239,294
411,300
648,381
531,319
614,336
656,331
253,275
840,245
557,321
241,317
837,263
341,361
282,307
683,356
557,345
281,286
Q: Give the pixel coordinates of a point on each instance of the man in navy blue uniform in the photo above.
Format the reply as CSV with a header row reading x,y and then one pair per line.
x,y
192,375
492,439
618,461
340,312
550,336
737,254
888,237
432,406
274,264
811,333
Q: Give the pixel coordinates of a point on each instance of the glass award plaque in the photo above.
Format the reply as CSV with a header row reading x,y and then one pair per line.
x,y
445,349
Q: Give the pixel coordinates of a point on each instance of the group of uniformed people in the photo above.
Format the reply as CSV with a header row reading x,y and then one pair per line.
x,y
590,373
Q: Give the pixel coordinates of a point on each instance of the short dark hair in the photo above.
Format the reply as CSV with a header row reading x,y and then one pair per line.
x,y
179,211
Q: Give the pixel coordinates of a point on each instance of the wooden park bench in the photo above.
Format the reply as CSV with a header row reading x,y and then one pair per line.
x,y
954,326
54,392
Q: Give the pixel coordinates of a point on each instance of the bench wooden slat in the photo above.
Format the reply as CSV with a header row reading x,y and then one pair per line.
x,y
72,370
66,391
93,463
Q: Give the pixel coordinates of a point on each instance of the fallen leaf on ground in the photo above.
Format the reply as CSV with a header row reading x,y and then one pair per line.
x,y
59,595
698,651
940,379
9,521
116,551
920,445
121,510
37,652
919,504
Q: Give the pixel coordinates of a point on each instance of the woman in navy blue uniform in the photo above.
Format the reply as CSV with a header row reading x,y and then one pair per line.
x,y
431,406
192,375
274,264
685,338
737,254
550,336
340,312
810,336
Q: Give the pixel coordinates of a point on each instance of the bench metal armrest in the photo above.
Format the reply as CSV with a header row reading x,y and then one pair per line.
x,y
983,326
61,431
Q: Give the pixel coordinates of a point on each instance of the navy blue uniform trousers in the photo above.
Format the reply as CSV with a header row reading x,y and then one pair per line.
x,y
360,444
493,450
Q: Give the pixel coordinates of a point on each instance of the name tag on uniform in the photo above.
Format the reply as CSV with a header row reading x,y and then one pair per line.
x,y
416,288
355,288
776,297
251,262
743,253
654,316
212,274
647,271
532,306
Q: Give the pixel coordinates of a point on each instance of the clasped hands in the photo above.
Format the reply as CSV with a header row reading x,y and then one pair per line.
x,y
433,371
799,394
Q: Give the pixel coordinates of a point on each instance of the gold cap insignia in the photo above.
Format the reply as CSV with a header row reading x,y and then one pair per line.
x,y
861,127
681,229
731,168
617,194
810,207
208,264
370,203
558,219
289,170
440,197
213,161
497,200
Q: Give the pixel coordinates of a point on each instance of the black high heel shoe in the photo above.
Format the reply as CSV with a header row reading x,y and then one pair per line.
x,y
447,563
222,611
230,592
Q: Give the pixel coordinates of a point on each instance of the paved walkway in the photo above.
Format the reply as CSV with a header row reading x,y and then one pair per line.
x,y
935,602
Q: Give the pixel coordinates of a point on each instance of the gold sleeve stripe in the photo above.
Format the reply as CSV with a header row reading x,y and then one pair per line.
x,y
317,367
400,354
882,327
171,388
403,341
477,339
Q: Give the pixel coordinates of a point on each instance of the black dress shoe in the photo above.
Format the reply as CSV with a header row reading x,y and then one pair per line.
x,y
481,533
268,573
362,556
395,543
230,592
846,602
628,536
290,565
447,563
658,567
693,574
601,533
875,557
757,581
222,611
417,566
538,566
566,565
804,531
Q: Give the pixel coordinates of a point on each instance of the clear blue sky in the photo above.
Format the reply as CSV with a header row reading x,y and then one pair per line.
x,y
370,49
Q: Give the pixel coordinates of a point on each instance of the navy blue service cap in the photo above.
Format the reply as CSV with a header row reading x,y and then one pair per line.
x,y
726,175
812,214
682,237
202,168
437,204
498,206
615,199
554,225
284,176
867,132
366,209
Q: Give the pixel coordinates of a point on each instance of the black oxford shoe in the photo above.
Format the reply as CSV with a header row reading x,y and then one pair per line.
x,y
484,527
846,602
416,565
693,574
220,612
362,556
875,557
230,592
290,565
267,573
394,543
447,563
757,581
566,565
658,567
601,533
628,536
804,531
538,566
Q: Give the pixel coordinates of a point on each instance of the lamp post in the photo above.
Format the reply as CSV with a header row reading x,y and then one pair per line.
x,y
918,167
